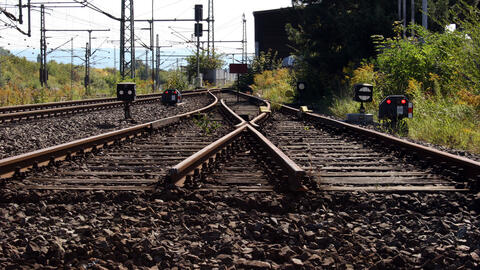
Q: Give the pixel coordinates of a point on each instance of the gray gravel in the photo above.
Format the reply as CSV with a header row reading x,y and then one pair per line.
x,y
193,230
23,137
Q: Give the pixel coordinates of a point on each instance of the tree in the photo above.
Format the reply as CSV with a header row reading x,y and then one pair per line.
x,y
206,63
331,34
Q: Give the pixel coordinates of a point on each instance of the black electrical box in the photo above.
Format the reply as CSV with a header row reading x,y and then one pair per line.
x,y
198,13
363,92
395,107
171,96
126,91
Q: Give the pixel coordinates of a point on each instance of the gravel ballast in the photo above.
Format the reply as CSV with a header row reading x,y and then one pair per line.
x,y
23,137
193,230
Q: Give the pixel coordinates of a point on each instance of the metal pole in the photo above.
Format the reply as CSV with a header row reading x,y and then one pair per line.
x,y
213,28
399,10
198,61
43,48
29,17
71,68
412,19
87,68
127,40
425,14
122,41
157,66
132,41
20,12
208,31
404,18
153,53
146,64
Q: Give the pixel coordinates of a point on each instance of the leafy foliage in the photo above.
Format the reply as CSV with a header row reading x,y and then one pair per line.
x,y
263,62
275,85
438,71
19,81
206,63
334,33
207,125
176,80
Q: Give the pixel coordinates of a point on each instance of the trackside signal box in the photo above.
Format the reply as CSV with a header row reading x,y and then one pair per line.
x,y
395,107
363,92
171,96
126,91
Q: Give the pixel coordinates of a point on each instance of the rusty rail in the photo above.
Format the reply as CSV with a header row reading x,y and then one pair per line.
x,y
233,114
73,109
17,164
50,105
262,116
178,173
470,167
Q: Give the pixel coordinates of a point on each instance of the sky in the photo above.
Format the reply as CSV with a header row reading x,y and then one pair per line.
x,y
227,15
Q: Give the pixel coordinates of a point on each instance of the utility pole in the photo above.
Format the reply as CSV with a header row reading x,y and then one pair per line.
x,y
114,58
244,40
152,50
87,69
399,10
211,28
425,14
157,66
153,54
146,64
404,17
127,40
412,19
43,48
88,51
71,68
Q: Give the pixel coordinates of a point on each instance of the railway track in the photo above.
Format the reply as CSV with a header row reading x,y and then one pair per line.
x,y
52,105
36,111
290,152
113,202
345,163
140,164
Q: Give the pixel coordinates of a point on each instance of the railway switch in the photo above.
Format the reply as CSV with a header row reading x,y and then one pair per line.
x,y
171,97
395,107
126,92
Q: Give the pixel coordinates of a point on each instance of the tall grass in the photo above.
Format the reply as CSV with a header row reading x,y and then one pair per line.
x,y
275,85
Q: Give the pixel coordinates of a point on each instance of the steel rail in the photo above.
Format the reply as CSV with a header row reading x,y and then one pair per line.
x,y
20,163
200,160
233,114
49,105
43,106
74,109
295,172
262,116
178,173
471,168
